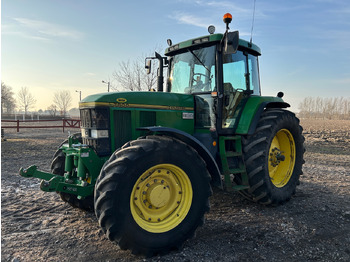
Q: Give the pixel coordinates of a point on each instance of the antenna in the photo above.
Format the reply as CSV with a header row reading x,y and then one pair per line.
x,y
251,33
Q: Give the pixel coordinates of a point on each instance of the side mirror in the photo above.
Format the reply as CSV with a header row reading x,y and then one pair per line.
x,y
231,42
148,66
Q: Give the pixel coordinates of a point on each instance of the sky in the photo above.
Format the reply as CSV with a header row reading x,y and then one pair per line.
x,y
54,45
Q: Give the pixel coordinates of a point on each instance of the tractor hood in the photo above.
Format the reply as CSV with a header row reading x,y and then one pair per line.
x,y
146,100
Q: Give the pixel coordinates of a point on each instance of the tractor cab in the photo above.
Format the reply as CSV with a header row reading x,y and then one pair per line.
x,y
218,79
219,70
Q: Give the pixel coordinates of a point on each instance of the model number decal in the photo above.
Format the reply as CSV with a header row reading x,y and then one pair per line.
x,y
72,189
86,154
187,115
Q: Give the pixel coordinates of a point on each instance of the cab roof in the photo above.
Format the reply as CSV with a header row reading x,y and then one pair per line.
x,y
209,39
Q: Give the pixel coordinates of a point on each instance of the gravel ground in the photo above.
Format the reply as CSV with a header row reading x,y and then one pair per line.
x,y
313,226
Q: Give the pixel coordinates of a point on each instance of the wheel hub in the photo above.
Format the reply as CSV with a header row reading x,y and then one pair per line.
x,y
158,196
161,198
281,158
276,156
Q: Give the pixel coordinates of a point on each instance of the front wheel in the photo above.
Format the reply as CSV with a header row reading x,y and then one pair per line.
x,y
274,157
152,194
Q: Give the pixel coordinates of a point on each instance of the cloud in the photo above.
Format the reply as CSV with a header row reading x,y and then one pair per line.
x,y
89,74
38,29
189,19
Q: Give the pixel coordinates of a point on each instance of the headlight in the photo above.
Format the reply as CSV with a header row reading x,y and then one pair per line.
x,y
85,132
99,133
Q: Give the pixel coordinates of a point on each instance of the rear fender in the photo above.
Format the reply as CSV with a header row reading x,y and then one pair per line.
x,y
261,109
252,112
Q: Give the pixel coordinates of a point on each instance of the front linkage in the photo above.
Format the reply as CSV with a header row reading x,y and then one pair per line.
x,y
81,169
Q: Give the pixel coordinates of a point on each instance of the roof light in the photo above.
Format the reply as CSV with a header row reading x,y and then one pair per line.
x,y
211,29
227,19
200,40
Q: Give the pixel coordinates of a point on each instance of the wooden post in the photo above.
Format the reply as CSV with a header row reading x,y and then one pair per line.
x,y
17,125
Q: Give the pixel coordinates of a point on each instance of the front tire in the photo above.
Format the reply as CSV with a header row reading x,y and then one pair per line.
x,y
152,194
274,157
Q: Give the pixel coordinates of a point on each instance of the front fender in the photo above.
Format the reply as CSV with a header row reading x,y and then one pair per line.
x,y
212,166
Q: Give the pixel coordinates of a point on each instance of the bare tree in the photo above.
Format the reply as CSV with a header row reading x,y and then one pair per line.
x,y
125,76
63,100
52,110
8,104
25,99
132,76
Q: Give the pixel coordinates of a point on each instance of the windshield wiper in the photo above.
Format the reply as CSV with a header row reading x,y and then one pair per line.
x,y
199,60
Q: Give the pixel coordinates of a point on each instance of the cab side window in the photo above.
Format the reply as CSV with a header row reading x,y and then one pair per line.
x,y
234,70
254,74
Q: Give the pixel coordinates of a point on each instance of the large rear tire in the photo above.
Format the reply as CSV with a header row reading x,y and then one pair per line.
x,y
57,168
152,194
274,157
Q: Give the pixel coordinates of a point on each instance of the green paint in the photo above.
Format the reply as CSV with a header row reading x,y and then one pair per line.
x,y
250,109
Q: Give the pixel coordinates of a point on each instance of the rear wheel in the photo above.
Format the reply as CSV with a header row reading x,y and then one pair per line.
x,y
57,168
152,194
274,157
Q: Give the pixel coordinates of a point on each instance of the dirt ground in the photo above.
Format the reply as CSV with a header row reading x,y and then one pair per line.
x,y
313,226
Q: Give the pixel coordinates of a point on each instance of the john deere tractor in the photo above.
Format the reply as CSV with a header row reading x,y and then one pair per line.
x,y
146,162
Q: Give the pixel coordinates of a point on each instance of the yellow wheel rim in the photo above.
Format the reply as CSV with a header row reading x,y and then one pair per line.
x,y
161,198
281,158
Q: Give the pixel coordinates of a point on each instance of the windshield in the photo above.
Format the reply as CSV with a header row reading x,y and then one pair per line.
x,y
193,71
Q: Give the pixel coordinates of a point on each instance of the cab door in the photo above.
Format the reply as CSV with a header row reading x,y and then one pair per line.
x,y
240,79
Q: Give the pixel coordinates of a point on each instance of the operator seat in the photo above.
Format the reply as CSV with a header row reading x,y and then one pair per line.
x,y
232,97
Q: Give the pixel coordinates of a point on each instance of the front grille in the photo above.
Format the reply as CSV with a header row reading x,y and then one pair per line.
x,y
96,119
102,146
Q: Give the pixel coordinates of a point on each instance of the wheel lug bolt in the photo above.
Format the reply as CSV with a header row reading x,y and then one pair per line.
x,y
150,206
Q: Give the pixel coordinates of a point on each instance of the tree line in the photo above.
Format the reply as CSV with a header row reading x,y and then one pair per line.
x,y
325,108
24,101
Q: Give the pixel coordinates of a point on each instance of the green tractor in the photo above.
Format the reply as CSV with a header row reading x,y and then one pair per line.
x,y
146,162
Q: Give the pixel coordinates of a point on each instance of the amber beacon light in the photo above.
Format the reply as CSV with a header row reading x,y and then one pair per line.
x,y
227,18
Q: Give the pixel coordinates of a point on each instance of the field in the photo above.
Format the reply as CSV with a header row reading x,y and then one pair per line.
x,y
313,226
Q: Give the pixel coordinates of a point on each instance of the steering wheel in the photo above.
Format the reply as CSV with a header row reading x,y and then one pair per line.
x,y
200,86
